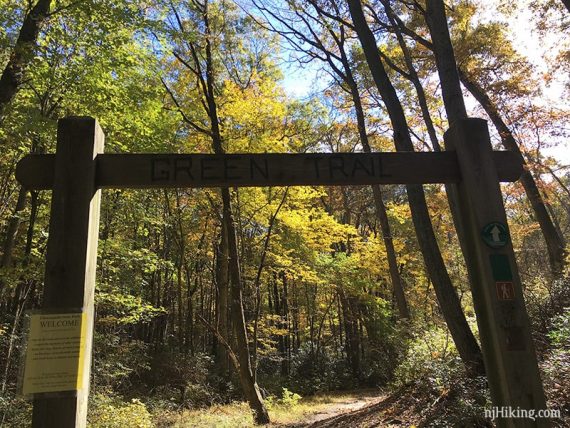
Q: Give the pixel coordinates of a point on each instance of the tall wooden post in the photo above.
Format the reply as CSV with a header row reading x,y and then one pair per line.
x,y
504,326
72,254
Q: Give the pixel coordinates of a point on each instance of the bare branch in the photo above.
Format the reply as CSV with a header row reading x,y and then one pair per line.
x,y
179,109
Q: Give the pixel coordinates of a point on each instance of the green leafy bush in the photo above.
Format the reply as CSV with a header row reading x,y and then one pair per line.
x,y
556,366
109,412
290,398
15,411
326,370
430,355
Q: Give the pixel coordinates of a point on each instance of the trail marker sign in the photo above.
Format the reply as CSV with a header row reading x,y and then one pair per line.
x,y
495,234
505,290
79,169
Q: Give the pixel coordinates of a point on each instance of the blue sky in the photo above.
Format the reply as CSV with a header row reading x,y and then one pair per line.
x,y
300,81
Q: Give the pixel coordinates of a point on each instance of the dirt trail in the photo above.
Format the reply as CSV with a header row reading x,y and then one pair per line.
x,y
340,410
343,408
370,414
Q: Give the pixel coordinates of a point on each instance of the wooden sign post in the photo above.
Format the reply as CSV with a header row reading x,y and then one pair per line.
x,y
79,169
72,255
504,327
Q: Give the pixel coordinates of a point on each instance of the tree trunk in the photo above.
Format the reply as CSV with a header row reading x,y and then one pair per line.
x,y
250,388
413,77
284,324
10,241
222,302
445,61
12,229
22,53
555,243
24,290
352,343
447,296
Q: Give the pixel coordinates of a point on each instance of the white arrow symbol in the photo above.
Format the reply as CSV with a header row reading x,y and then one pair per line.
x,y
495,232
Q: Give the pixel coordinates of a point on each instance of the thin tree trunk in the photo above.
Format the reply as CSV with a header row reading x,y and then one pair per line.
x,y
413,77
285,363
257,282
19,310
9,243
222,303
204,71
251,390
24,290
352,343
12,229
447,296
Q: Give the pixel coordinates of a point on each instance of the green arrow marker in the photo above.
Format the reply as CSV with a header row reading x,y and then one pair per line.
x,y
495,235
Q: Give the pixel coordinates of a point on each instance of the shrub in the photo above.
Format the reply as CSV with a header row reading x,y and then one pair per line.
x,y
556,366
15,411
111,412
431,356
326,370
442,394
183,379
290,398
118,363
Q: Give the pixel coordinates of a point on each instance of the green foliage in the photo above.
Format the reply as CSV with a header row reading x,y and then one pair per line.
x,y
124,309
118,363
320,370
109,412
429,356
434,376
560,333
15,411
180,381
289,399
556,365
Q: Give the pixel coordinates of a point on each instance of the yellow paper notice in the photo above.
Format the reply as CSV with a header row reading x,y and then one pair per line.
x,y
56,353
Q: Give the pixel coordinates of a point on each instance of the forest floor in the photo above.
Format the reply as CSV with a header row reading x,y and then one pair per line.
x,y
368,408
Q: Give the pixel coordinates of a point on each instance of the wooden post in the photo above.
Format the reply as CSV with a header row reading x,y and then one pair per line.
x,y
504,327
72,254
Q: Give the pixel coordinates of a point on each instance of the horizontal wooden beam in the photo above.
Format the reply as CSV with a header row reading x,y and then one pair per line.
x,y
36,172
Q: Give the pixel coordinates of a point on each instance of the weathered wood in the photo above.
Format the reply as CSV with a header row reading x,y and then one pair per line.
x,y
206,170
72,254
504,327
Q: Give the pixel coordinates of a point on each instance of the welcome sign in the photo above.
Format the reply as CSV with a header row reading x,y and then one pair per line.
x,y
55,353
